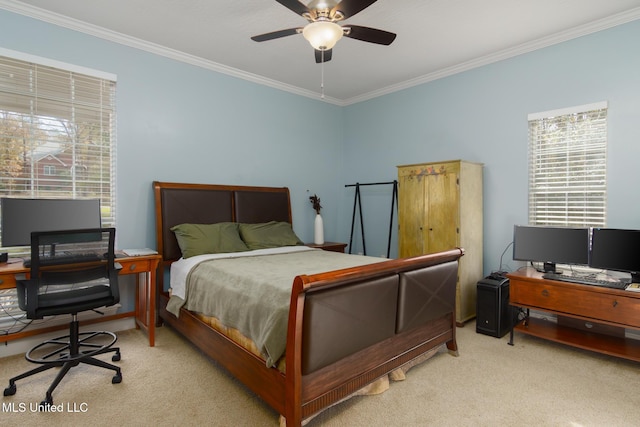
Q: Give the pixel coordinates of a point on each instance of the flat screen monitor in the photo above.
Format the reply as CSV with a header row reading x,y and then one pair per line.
x,y
19,217
551,245
616,249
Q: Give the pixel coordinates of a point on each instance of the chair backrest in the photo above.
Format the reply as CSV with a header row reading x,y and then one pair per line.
x,y
63,247
82,260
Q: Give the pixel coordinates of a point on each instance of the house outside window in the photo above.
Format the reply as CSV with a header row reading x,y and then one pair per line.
x,y
49,170
568,166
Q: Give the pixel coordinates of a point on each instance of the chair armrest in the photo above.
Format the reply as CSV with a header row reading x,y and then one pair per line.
x,y
28,304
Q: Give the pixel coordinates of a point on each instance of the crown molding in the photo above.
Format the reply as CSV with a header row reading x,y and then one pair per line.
x,y
572,33
93,30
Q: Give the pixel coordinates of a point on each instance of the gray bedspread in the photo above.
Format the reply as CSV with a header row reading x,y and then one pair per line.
x,y
252,294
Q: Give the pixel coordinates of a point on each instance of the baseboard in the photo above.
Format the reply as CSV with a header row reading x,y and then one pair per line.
x,y
23,345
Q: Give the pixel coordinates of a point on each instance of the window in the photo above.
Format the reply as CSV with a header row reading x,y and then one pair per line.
x,y
57,131
567,167
57,140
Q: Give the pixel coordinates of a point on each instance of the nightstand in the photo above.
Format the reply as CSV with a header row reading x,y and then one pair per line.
x,y
329,246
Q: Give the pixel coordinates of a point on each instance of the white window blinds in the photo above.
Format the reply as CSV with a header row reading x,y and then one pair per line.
x,y
567,167
57,133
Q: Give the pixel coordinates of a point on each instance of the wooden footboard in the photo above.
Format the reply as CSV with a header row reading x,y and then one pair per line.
x,y
348,328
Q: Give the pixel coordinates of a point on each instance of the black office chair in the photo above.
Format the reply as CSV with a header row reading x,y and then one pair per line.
x,y
79,274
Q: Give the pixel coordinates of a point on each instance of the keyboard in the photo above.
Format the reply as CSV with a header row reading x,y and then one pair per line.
x,y
586,280
66,259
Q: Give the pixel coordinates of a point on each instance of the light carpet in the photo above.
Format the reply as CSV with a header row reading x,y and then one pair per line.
x,y
534,383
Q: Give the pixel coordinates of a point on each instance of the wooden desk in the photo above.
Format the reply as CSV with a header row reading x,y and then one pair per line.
x,y
589,317
145,301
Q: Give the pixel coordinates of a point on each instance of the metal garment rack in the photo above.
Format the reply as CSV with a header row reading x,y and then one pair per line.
x,y
357,205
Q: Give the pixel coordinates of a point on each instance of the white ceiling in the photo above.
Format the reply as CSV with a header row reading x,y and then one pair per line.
x,y
435,38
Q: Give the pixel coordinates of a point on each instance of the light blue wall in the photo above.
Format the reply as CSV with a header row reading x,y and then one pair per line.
x,y
481,116
178,122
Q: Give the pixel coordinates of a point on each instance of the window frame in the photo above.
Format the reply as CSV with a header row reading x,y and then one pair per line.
x,y
108,208
49,170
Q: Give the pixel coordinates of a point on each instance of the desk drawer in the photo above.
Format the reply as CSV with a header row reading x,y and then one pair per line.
x,y
135,266
7,281
578,300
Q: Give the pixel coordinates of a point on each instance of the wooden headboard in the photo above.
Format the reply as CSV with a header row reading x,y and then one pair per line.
x,y
177,203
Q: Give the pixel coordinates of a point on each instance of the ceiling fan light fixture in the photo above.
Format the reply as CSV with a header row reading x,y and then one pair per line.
x,y
322,35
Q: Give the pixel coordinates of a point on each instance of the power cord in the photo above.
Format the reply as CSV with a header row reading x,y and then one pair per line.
x,y
501,271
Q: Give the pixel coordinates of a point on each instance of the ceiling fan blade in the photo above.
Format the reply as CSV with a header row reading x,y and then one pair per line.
x,y
327,55
370,35
295,6
351,7
275,34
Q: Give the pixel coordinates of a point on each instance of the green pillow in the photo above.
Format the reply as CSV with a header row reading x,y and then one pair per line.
x,y
198,239
268,235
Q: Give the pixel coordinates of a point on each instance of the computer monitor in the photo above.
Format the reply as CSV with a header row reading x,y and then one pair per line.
x,y
616,249
551,245
19,217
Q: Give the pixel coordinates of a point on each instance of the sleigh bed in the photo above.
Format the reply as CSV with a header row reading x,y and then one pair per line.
x,y
345,328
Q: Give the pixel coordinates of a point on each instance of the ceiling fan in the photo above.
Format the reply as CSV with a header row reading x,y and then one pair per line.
x,y
323,30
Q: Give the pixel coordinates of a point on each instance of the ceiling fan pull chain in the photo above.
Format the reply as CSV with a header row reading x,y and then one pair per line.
x,y
322,76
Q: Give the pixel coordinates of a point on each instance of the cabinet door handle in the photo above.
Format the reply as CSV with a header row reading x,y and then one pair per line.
x,y
132,267
615,303
545,293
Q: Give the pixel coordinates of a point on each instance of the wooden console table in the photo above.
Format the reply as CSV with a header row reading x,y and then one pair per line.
x,y
589,317
145,301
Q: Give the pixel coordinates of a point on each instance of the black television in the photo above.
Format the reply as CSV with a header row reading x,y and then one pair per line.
x,y
551,245
616,249
20,216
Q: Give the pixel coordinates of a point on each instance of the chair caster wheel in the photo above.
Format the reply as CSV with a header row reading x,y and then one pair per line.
x,y
117,379
10,391
46,403
116,357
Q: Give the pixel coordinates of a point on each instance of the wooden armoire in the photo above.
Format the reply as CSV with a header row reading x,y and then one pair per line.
x,y
439,208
